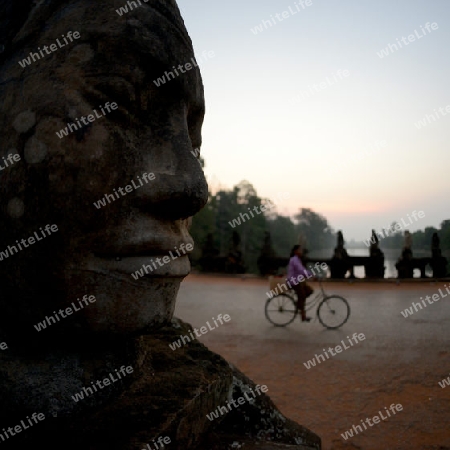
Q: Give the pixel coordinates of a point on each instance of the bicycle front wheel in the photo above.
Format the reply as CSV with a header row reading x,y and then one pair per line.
x,y
281,310
333,311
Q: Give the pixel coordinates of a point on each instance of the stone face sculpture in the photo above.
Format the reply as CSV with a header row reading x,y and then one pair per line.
x,y
58,180
97,187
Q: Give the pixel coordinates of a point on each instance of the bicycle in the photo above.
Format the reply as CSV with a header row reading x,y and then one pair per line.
x,y
332,311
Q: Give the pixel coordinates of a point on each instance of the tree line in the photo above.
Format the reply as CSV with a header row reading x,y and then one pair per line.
x,y
256,216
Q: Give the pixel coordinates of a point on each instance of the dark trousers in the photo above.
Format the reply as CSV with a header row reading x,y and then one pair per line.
x,y
302,290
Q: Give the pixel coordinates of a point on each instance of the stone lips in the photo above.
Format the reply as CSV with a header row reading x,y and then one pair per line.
x,y
179,266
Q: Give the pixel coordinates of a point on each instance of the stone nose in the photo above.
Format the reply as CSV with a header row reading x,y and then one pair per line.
x,y
177,187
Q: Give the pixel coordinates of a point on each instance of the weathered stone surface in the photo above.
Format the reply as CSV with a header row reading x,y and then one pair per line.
x,y
96,247
169,394
57,180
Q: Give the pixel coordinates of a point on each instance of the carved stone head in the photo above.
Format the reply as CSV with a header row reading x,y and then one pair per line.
x,y
96,164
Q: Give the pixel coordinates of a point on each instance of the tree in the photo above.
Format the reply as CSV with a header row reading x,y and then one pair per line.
x,y
243,203
203,223
252,230
315,228
444,235
284,234
393,237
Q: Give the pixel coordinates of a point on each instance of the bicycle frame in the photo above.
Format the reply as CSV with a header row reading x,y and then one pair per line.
x,y
313,300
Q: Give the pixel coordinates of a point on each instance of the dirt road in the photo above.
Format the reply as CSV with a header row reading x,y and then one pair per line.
x,y
400,362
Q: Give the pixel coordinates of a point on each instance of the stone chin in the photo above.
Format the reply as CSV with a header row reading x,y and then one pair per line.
x,y
123,305
133,293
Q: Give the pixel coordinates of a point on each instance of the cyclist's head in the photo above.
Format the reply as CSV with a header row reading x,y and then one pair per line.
x,y
296,250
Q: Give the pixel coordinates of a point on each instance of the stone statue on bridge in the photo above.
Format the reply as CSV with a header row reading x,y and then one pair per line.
x,y
435,246
235,261
375,268
405,264
339,263
408,241
375,251
438,262
268,262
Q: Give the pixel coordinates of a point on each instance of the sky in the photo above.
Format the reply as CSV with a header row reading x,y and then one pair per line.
x,y
308,103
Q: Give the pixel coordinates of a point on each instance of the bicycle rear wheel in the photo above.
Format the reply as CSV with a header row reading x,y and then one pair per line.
x,y
281,310
333,311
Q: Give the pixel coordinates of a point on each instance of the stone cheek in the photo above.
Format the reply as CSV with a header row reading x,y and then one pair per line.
x,y
15,208
81,54
35,151
24,121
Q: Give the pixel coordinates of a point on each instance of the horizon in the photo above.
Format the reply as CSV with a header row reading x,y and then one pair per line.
x,y
312,98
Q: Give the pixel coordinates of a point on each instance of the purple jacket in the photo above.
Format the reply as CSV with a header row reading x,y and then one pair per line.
x,y
297,269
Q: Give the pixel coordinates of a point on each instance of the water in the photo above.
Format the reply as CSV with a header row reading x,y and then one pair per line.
x,y
390,258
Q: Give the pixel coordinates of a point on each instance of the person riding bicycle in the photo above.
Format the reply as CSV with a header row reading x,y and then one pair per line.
x,y
296,278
